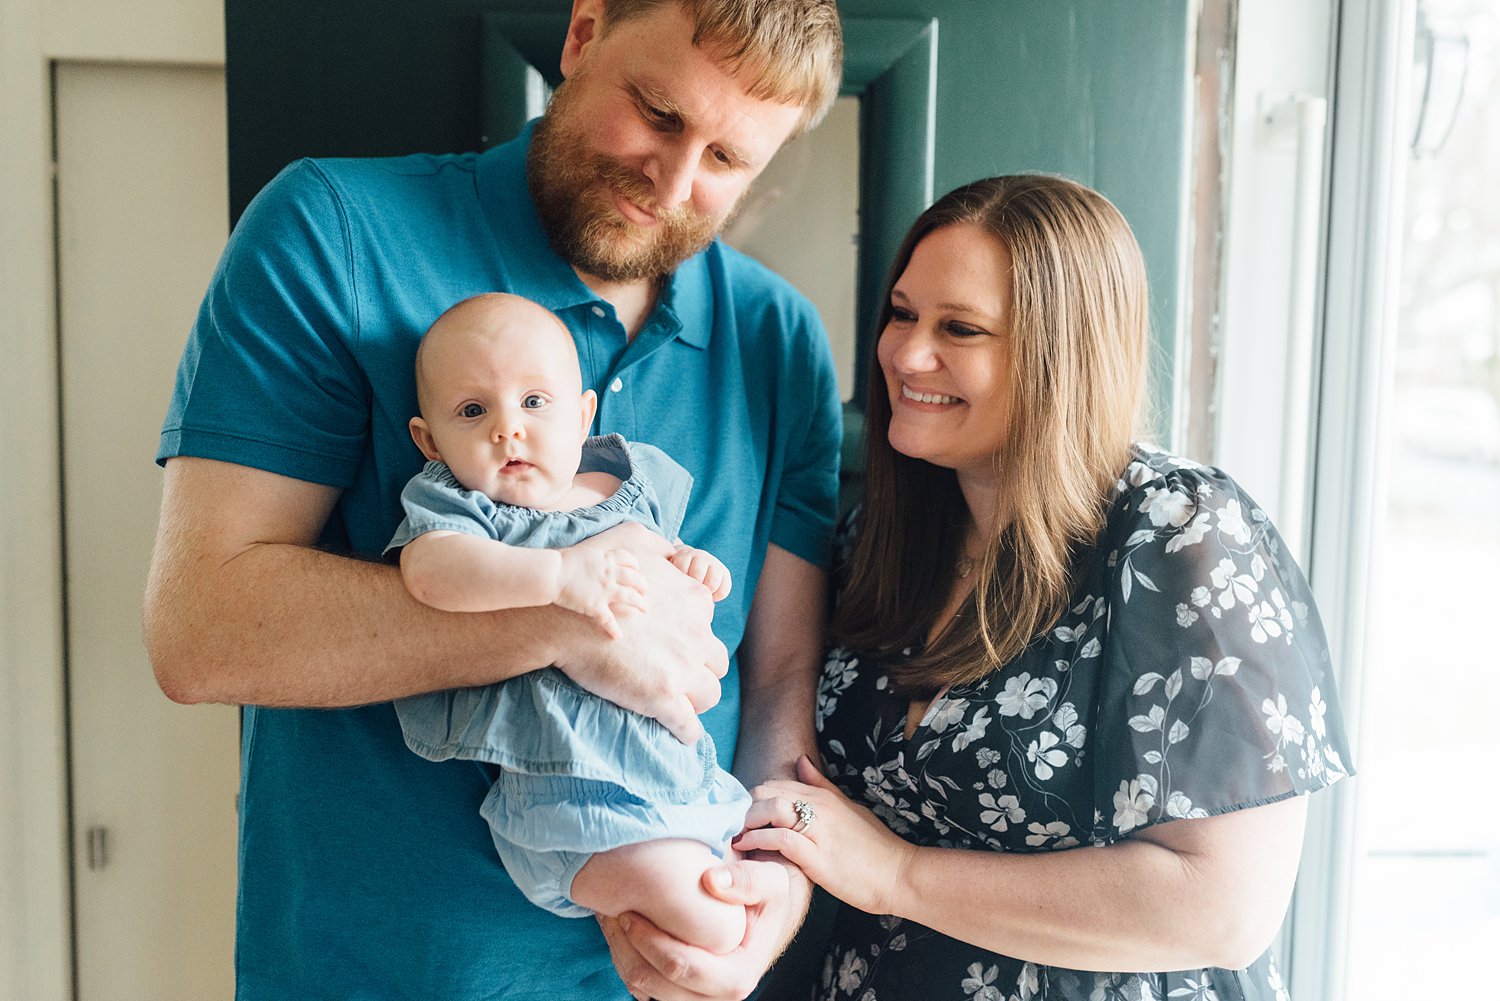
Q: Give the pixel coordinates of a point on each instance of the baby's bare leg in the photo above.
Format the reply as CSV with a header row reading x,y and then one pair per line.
x,y
663,881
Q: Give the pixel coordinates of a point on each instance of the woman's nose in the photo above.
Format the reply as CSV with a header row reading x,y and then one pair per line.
x,y
914,352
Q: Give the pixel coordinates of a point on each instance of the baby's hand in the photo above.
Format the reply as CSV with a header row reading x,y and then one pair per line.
x,y
602,584
704,568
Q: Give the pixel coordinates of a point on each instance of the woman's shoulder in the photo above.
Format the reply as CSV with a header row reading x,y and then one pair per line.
x,y
1151,469
1168,494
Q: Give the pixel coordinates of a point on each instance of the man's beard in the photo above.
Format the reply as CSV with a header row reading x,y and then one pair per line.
x,y
572,189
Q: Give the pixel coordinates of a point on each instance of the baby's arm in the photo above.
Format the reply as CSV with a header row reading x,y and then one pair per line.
x,y
467,573
703,567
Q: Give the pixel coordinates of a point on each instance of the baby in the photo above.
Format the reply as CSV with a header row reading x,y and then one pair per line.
x,y
595,809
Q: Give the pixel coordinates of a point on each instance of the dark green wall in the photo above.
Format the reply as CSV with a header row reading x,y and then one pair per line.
x,y
1092,89
1087,88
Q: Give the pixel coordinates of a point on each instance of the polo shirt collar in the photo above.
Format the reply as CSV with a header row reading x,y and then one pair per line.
x,y
685,301
534,269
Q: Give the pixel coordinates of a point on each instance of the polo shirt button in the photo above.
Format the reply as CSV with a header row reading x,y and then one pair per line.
x,y
599,311
616,386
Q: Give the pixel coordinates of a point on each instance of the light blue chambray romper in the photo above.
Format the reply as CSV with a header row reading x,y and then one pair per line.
x,y
578,774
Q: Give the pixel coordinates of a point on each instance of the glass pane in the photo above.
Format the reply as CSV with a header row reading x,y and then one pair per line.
x,y
1427,878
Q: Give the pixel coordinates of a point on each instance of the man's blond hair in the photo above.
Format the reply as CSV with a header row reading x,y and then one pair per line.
x,y
787,51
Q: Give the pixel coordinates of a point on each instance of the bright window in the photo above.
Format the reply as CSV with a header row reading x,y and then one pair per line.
x,y
1426,877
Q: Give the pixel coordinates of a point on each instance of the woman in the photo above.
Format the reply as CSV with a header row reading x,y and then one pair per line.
x,y
1080,686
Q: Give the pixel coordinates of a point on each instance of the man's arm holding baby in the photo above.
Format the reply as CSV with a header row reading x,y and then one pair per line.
x,y
241,607
778,669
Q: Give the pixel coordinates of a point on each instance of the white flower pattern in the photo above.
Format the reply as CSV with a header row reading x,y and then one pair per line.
x,y
1190,624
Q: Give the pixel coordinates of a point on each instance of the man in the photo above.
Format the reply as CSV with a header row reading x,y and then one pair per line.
x,y
365,871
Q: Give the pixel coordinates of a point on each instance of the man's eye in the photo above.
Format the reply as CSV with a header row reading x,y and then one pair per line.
x,y
533,401
472,410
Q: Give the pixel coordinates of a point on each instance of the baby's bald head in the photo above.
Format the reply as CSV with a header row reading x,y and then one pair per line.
x,y
496,322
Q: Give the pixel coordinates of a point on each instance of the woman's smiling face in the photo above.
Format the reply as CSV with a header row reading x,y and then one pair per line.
x,y
946,351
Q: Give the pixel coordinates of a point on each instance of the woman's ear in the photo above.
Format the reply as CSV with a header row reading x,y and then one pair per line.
x,y
423,437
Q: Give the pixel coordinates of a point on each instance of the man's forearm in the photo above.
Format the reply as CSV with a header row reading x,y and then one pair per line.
x,y
779,660
287,625
775,729
241,608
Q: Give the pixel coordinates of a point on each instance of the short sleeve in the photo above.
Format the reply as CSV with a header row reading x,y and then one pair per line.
x,y
1217,691
807,501
269,378
434,501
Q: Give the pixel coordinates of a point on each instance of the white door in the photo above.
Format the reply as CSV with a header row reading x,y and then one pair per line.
x,y
142,216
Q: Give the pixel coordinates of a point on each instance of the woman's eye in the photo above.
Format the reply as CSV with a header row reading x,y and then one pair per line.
x,y
472,410
964,330
902,315
533,401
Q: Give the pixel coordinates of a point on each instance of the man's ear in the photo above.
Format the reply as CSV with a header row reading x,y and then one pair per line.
x,y
423,437
589,404
584,26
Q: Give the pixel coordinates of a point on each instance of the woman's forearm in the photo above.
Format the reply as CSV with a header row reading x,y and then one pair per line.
x,y
1209,894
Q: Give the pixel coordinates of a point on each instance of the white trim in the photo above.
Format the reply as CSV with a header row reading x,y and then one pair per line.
x,y
1273,218
1174,424
1374,59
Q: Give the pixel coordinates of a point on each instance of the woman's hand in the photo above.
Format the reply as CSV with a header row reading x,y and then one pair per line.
x,y
845,848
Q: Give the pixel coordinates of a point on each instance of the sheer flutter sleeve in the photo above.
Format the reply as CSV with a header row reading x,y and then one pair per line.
x,y
1217,691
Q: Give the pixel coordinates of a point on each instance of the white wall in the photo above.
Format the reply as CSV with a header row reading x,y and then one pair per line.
x,y
35,950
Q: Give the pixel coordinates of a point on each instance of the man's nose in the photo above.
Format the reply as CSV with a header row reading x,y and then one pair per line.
x,y
671,173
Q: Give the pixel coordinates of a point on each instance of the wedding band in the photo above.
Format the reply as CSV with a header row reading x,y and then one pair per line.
x,y
805,815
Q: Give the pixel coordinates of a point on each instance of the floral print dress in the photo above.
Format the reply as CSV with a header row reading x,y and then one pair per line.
x,y
1189,678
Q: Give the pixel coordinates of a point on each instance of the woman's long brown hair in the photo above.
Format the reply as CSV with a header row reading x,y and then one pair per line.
x,y
1079,330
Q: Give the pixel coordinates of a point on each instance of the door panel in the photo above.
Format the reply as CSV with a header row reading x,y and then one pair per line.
x,y
142,206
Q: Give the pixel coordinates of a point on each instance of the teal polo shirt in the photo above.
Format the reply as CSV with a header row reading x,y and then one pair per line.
x,y
365,871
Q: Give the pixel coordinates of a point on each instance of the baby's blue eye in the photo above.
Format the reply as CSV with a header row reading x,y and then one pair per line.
x,y
533,401
472,410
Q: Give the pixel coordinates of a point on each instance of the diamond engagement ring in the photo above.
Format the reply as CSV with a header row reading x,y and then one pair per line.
x,y
805,815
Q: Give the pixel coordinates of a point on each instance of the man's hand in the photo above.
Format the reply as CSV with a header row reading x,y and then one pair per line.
x,y
655,965
667,662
